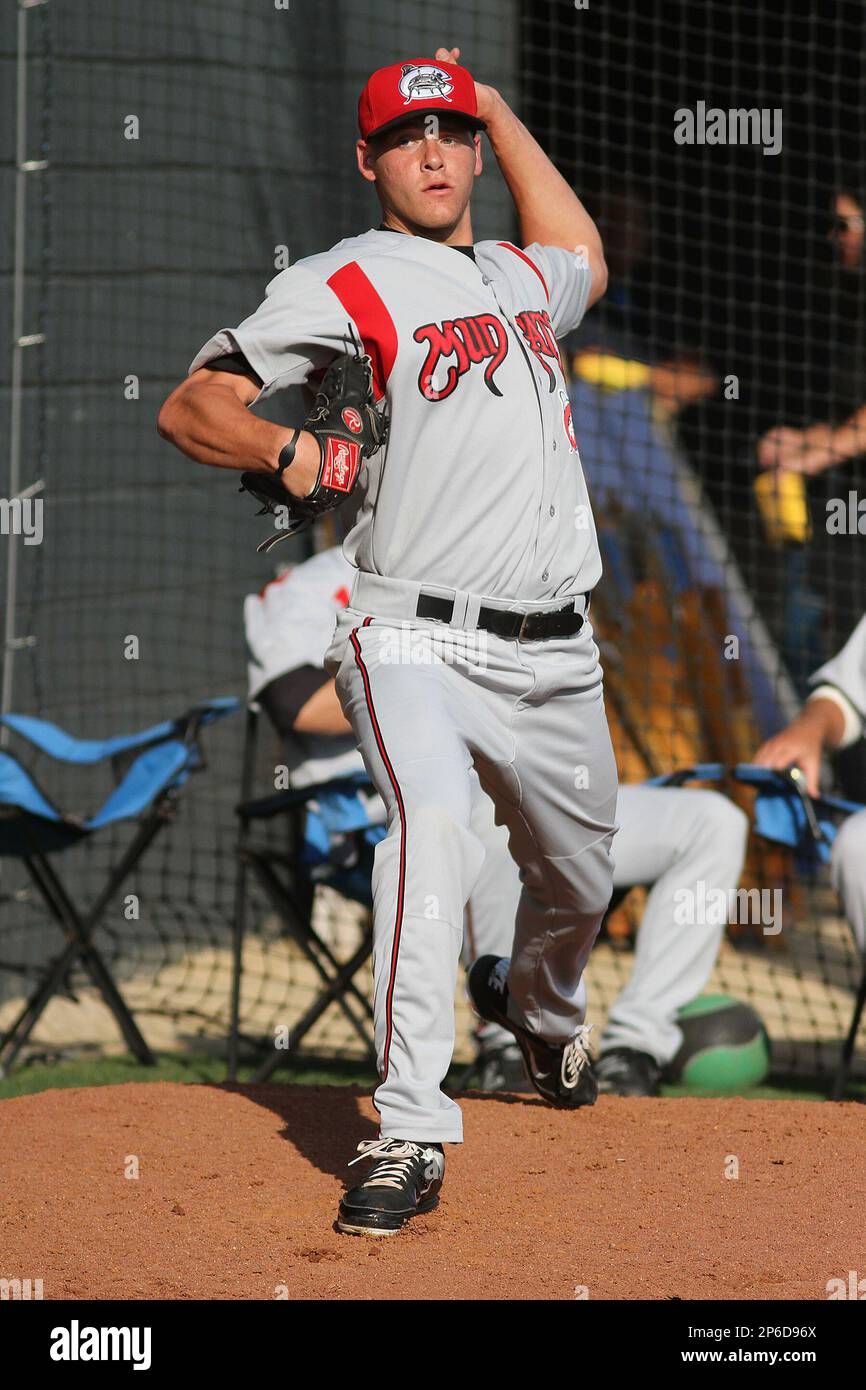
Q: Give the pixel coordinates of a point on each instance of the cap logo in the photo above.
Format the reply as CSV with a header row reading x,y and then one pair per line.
x,y
424,82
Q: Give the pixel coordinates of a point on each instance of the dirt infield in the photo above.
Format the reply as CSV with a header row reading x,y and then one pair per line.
x,y
238,1187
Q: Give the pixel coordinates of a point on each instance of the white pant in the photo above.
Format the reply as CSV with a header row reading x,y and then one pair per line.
x,y
668,839
674,839
527,723
848,871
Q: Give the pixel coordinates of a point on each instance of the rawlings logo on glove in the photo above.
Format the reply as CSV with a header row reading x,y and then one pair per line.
x,y
348,429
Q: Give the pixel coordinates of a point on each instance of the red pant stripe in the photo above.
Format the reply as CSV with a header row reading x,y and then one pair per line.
x,y
401,882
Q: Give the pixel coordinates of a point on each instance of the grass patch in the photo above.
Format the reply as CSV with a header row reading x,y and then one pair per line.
x,y
187,1067
202,1067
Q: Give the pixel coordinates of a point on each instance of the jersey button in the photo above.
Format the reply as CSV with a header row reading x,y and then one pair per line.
x,y
553,511
546,575
485,279
554,446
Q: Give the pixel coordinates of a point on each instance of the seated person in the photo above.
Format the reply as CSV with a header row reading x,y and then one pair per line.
x,y
669,838
831,719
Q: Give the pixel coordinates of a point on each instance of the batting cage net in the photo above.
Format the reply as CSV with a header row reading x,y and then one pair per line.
x,y
160,164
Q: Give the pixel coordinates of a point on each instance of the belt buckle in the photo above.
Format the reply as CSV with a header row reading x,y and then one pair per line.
x,y
523,620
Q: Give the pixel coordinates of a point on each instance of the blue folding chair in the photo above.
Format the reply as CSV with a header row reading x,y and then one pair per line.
x,y
319,818
150,768
786,814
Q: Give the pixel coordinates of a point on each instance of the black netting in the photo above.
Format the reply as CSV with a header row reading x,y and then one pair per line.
x,y
735,307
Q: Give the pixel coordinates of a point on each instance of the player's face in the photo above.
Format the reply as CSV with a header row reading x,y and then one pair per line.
x,y
423,171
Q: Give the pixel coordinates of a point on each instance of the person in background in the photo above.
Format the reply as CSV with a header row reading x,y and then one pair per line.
x,y
832,718
825,577
613,348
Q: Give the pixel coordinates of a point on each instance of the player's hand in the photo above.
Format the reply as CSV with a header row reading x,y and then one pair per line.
x,y
799,745
486,97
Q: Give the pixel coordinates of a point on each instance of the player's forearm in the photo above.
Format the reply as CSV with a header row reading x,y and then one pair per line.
x,y
211,425
548,209
824,720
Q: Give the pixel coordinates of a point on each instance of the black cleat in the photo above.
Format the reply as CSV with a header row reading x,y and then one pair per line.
x,y
501,1068
560,1072
404,1181
626,1072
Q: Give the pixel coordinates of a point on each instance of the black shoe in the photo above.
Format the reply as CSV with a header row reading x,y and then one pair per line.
x,y
405,1180
561,1073
625,1072
501,1068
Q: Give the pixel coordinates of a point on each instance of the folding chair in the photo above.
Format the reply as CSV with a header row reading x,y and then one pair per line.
x,y
315,817
786,814
150,769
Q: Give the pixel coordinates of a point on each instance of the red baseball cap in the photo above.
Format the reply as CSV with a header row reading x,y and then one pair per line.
x,y
415,88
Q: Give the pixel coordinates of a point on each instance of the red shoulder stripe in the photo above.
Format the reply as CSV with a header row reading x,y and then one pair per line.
x,y
367,308
523,256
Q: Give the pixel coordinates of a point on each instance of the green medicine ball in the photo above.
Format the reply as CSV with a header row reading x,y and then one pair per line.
x,y
725,1046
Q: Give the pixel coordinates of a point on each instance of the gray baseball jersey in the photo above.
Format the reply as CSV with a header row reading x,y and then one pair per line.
x,y
481,484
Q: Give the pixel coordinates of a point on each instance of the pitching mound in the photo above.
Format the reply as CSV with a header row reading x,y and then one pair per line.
x,y
237,1190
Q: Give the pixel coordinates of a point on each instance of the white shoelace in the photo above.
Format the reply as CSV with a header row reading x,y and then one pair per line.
x,y
395,1164
575,1058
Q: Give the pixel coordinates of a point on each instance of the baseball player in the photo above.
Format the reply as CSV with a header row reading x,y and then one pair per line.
x,y
465,659
668,839
833,718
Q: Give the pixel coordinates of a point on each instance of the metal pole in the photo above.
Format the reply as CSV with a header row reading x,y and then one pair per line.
x,y
19,342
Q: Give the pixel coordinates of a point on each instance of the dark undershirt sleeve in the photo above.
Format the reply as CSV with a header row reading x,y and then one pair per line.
x,y
284,698
237,365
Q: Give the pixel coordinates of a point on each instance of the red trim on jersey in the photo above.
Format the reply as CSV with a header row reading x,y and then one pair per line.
x,y
401,877
366,307
280,579
523,256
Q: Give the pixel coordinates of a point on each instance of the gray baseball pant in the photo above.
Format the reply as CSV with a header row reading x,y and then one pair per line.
x,y
526,722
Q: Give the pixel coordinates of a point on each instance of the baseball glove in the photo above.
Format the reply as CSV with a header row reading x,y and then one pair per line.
x,y
347,427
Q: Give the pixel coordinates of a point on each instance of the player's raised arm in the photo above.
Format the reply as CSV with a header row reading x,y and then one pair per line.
x,y
548,209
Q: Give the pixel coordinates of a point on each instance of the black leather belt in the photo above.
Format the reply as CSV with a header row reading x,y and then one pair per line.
x,y
504,622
